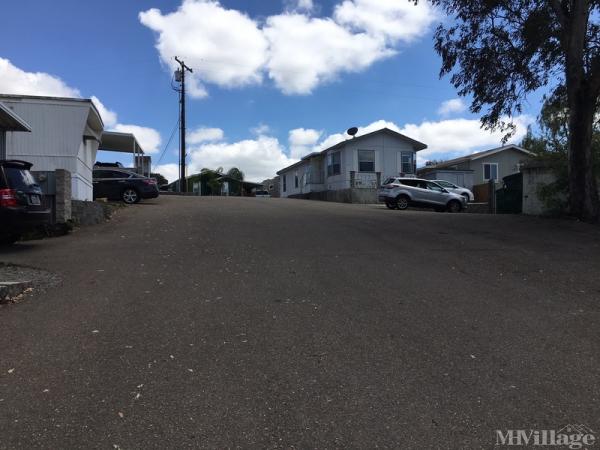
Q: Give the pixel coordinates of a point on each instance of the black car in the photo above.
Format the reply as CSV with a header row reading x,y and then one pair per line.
x,y
22,203
115,184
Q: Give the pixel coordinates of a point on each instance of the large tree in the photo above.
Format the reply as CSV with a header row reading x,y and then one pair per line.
x,y
498,51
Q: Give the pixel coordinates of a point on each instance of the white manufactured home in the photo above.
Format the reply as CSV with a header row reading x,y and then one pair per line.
x,y
351,170
65,134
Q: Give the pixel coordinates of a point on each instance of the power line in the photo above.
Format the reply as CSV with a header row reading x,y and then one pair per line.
x,y
169,142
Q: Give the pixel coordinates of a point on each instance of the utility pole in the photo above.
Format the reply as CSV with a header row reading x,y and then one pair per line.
x,y
180,76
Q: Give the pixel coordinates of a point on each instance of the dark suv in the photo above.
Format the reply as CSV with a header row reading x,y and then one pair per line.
x,y
22,205
118,184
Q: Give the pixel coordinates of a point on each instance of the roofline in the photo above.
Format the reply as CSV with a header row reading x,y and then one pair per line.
x,y
418,146
56,99
24,126
477,155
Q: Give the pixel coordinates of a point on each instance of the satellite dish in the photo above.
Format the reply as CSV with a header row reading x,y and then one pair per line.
x,y
352,131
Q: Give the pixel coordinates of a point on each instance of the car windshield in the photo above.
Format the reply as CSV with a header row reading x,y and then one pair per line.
x,y
19,179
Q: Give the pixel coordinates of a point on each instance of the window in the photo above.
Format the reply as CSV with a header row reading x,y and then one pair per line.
x,y
366,161
434,187
490,171
334,166
446,184
296,179
407,163
284,183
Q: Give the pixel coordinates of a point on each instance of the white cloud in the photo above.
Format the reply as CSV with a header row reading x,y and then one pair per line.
x,y
305,5
261,129
455,105
306,52
302,141
258,158
298,52
203,134
393,20
18,82
108,117
148,138
223,46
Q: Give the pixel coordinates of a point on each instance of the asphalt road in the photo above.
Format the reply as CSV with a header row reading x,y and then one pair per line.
x,y
271,323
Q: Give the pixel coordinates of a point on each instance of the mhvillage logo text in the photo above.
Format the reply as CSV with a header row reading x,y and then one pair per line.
x,y
570,436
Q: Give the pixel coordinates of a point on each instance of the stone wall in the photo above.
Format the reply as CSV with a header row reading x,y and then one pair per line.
x,y
62,201
89,213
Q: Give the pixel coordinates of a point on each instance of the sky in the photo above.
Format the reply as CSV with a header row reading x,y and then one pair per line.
x,y
272,80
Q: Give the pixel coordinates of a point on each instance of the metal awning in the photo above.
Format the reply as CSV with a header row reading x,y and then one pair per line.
x,y
9,121
114,141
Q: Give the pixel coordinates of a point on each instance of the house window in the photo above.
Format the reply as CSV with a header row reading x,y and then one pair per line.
x,y
296,179
366,161
407,163
334,166
490,171
284,183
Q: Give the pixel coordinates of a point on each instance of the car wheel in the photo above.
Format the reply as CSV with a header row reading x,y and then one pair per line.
x,y
454,206
402,202
130,196
9,239
390,205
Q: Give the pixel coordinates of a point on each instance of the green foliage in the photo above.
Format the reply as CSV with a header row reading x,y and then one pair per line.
x,y
160,180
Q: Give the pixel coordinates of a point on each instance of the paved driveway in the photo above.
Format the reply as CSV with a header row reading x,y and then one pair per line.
x,y
253,323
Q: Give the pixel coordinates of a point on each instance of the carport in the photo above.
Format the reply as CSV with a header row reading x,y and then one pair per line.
x,y
113,141
9,121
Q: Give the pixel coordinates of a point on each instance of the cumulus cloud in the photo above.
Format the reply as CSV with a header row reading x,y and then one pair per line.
x,y
298,52
223,46
148,138
19,82
108,117
306,52
169,171
453,106
203,134
302,141
392,20
458,137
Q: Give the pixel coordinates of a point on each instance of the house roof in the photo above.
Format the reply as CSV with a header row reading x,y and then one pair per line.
x,y
416,144
478,155
114,141
10,121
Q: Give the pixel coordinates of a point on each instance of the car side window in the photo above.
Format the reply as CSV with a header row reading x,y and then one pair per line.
x,y
411,183
101,174
434,187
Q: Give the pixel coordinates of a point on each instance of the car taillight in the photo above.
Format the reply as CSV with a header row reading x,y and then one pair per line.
x,y
8,197
149,181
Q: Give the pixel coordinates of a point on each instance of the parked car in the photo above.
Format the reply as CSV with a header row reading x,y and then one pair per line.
x,y
22,203
263,194
118,184
400,193
456,189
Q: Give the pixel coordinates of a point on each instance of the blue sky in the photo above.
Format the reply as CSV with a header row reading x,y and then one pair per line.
x,y
272,79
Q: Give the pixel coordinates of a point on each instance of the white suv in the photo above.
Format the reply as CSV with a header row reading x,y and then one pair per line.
x,y
400,193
